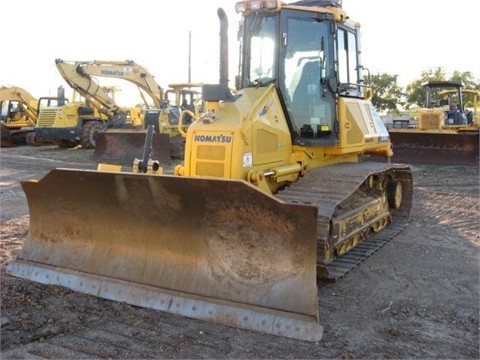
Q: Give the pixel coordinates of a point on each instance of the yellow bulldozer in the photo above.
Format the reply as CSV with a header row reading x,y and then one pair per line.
x,y
447,132
128,144
18,115
274,194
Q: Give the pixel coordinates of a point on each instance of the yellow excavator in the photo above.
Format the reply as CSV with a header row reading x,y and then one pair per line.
x,y
447,132
78,122
18,115
275,191
123,138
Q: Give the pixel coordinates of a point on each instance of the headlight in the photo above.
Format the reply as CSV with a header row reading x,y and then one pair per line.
x,y
247,6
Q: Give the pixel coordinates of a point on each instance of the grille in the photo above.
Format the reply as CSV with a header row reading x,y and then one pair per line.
x,y
47,118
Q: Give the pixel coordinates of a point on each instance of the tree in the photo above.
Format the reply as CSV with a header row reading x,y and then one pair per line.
x,y
470,83
387,94
467,78
415,92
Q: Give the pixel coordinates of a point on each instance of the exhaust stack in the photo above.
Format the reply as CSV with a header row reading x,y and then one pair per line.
x,y
223,46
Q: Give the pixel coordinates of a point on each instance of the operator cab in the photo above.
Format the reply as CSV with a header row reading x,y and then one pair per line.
x,y
312,60
452,101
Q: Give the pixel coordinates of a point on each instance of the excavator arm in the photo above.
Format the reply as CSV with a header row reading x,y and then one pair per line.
x,y
82,76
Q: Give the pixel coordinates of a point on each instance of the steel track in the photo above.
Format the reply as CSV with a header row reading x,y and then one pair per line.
x,y
327,187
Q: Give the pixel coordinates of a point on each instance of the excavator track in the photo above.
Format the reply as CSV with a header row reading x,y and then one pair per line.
x,y
327,188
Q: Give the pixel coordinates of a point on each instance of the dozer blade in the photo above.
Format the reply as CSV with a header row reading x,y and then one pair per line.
x,y
128,145
436,148
210,249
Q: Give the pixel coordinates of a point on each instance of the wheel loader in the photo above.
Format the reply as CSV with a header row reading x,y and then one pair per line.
x,y
275,192
447,132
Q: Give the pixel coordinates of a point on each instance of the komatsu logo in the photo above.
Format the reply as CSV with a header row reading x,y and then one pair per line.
x,y
112,72
213,138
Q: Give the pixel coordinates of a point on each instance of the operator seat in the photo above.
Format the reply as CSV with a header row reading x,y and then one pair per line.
x,y
306,93
445,102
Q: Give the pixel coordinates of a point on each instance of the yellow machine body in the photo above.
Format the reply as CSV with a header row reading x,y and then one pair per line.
x,y
168,143
19,111
251,136
120,138
275,191
21,114
447,132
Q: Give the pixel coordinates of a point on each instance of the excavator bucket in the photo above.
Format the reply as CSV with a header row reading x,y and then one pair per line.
x,y
210,249
126,145
435,148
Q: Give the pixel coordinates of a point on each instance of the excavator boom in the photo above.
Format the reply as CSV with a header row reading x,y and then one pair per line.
x,y
83,76
125,143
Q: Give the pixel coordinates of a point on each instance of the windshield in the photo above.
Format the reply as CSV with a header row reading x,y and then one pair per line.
x,y
262,51
294,50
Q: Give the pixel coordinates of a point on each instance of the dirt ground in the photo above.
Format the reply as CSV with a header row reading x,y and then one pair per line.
x,y
417,297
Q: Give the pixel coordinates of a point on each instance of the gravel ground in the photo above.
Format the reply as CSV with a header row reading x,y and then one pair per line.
x,y
417,297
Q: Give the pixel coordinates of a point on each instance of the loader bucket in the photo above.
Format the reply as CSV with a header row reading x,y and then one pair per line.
x,y
128,145
210,249
436,148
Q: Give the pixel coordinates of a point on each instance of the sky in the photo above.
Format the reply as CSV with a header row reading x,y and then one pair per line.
x,y
399,37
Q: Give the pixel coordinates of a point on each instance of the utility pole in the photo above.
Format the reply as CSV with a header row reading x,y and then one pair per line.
x,y
189,56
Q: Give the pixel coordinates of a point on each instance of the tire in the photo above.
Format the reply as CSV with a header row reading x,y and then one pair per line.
x,y
89,130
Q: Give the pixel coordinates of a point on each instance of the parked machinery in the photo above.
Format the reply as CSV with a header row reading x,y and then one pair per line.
x,y
271,194
127,144
78,122
19,112
120,137
447,131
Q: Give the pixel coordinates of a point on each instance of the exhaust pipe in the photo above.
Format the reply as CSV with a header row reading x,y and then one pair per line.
x,y
223,46
220,92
